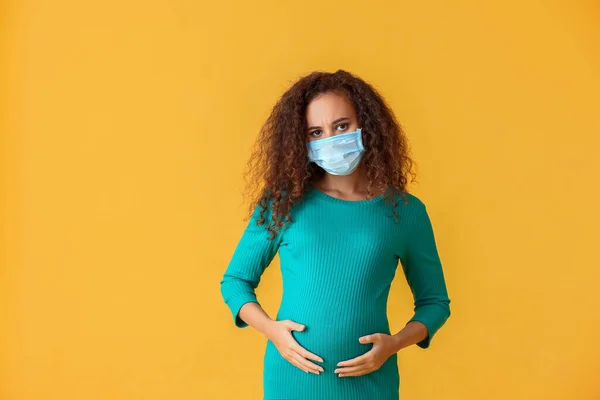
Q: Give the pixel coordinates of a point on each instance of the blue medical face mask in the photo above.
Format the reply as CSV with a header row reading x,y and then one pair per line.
x,y
339,154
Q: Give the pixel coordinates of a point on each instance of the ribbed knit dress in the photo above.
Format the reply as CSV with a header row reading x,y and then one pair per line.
x,y
338,259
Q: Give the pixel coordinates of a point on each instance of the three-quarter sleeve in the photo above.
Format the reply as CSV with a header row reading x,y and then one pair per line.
x,y
424,274
252,255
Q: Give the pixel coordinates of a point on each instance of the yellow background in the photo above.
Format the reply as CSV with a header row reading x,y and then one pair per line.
x,y
126,127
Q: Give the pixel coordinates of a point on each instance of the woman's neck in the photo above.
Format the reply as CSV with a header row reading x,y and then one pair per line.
x,y
345,186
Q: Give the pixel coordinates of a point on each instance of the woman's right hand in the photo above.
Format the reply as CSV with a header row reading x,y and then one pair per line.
x,y
280,334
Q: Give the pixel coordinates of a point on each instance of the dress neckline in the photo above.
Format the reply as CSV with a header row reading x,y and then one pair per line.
x,y
332,199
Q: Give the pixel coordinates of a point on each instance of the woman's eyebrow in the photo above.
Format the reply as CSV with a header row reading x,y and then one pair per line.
x,y
333,123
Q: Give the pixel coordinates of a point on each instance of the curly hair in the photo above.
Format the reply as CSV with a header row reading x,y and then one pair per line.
x,y
278,172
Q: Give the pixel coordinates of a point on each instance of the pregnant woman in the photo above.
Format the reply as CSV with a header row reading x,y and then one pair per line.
x,y
330,170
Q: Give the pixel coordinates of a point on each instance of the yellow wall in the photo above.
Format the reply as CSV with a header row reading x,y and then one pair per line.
x,y
127,126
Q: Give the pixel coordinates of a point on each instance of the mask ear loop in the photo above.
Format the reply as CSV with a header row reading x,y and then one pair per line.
x,y
360,141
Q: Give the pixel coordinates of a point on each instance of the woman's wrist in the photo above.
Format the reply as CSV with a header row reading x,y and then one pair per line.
x,y
254,315
267,326
399,341
412,333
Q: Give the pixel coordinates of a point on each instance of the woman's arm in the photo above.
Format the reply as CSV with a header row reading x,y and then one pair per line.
x,y
413,332
252,255
252,314
423,270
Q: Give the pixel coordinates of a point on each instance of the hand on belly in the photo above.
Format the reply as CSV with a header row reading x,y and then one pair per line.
x,y
384,346
279,333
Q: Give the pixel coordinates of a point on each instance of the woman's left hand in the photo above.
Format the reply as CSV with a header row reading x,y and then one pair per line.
x,y
384,346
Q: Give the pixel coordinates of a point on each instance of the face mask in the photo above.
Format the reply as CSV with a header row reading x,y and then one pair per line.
x,y
339,154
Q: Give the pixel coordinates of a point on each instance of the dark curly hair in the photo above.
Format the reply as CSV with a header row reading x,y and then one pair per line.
x,y
279,172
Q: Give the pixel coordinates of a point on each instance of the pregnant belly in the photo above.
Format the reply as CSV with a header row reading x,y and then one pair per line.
x,y
334,336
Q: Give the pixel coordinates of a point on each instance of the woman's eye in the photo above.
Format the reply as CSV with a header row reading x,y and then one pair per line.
x,y
344,125
314,132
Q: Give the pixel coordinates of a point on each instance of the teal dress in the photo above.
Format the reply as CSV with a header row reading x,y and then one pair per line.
x,y
338,259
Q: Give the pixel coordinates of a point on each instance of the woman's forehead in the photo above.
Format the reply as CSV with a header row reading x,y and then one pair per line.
x,y
329,107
